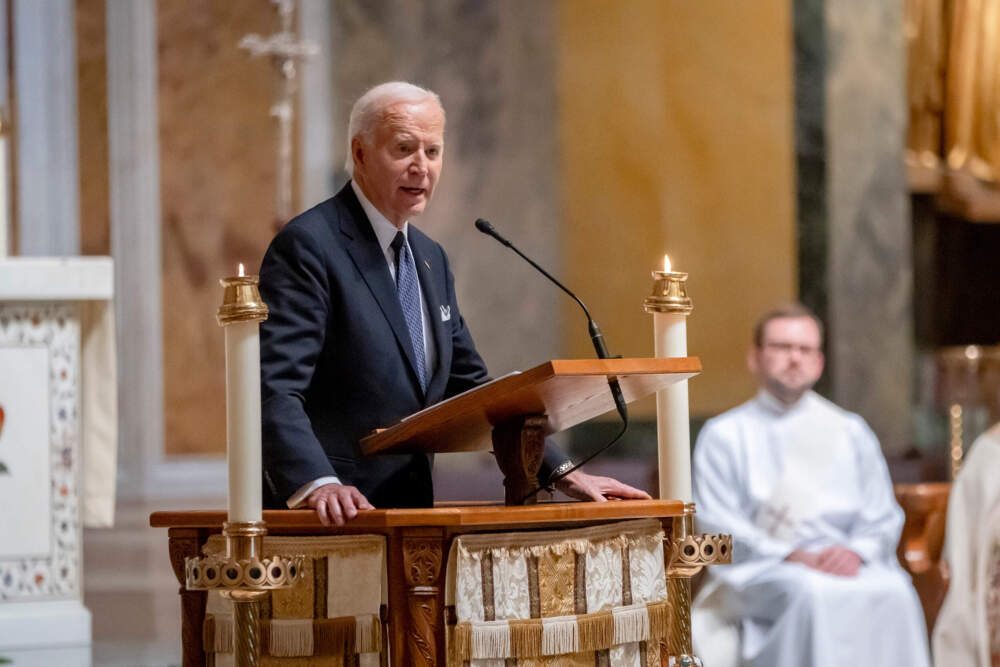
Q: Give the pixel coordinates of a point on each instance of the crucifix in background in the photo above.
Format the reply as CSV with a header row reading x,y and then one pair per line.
x,y
285,49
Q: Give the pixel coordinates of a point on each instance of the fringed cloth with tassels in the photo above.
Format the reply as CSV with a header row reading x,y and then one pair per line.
x,y
572,597
333,615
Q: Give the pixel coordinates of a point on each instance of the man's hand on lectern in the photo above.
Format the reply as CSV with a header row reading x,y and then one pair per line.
x,y
582,486
338,504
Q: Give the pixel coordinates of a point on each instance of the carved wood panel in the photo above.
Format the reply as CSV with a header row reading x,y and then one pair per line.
x,y
422,558
519,445
185,544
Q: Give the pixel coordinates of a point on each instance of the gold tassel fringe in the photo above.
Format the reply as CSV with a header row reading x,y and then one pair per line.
x,y
526,638
460,639
217,633
558,636
291,638
208,634
334,636
597,631
659,619
287,638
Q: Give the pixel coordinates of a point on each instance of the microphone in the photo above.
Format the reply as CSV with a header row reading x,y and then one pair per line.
x,y
596,337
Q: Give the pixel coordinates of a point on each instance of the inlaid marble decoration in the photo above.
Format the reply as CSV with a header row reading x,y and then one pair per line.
x,y
41,344
24,391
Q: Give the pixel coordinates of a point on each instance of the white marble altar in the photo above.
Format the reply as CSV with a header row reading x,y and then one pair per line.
x,y
55,321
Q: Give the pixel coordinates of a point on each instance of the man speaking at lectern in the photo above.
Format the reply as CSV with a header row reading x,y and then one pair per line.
x,y
364,327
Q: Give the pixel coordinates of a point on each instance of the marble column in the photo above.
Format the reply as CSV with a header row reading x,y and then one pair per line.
x,y
810,158
855,236
316,132
133,138
48,185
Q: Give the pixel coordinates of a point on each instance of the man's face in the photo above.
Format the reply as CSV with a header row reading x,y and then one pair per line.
x,y
789,360
398,168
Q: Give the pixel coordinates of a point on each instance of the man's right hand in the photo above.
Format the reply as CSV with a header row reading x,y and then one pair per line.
x,y
337,504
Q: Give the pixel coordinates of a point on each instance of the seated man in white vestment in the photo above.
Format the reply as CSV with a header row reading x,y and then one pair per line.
x,y
803,488
967,632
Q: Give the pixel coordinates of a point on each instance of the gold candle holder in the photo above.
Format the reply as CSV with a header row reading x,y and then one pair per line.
x,y
241,301
669,294
686,554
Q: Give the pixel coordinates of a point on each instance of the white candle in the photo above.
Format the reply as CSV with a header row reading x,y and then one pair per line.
x,y
243,438
673,429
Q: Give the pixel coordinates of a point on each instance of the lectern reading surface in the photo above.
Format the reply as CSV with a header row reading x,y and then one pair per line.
x,y
514,414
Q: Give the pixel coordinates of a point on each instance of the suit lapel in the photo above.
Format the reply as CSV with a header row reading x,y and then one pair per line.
x,y
367,256
431,274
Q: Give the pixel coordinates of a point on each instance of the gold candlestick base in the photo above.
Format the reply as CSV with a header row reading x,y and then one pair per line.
x,y
686,555
244,577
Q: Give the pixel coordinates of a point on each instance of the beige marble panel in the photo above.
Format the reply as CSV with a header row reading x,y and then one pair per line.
x,y
92,107
676,136
217,150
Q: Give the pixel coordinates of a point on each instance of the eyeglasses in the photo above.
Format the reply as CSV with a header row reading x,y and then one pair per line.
x,y
788,348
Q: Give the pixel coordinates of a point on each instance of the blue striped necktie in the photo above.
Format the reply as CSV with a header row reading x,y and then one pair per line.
x,y
408,293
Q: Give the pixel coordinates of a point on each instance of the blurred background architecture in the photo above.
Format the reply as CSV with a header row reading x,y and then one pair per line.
x,y
840,153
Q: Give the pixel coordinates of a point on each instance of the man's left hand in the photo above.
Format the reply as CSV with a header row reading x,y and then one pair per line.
x,y
839,560
582,486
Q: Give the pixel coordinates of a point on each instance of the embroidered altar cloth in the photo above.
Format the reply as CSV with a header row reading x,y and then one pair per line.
x,y
331,617
590,596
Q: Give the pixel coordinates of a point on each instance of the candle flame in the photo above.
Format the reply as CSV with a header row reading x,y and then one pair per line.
x,y
241,270
666,263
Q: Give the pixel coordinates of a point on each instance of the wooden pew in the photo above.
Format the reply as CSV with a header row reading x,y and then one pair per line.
x,y
920,547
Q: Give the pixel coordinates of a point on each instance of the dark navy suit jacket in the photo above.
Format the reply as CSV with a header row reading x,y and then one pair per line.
x,y
336,358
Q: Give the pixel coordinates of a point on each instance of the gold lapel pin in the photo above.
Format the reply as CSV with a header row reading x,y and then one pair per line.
x,y
427,264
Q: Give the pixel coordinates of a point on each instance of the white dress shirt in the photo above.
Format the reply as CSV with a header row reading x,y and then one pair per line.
x,y
385,232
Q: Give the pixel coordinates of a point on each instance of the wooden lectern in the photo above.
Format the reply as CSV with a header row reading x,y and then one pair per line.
x,y
512,414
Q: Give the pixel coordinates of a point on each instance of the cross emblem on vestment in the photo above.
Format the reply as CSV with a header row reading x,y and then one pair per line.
x,y
778,517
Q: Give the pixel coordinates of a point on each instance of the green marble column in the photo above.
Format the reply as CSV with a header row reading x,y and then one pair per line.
x,y
855,233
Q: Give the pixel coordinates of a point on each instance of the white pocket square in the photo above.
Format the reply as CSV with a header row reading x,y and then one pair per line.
x,y
445,313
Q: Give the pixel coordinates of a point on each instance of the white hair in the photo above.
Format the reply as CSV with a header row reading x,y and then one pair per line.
x,y
367,111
